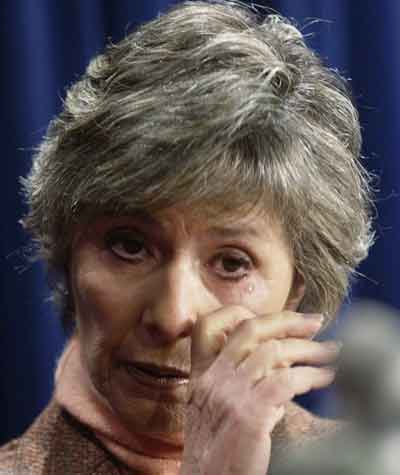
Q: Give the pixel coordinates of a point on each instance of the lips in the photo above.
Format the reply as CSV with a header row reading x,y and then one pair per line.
x,y
156,376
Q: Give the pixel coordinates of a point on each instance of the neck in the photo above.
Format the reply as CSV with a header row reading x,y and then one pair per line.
x,y
155,454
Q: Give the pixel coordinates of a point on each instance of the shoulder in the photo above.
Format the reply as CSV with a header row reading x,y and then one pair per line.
x,y
55,444
300,427
25,455
8,455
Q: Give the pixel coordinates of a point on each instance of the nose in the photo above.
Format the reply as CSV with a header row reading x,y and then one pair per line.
x,y
179,298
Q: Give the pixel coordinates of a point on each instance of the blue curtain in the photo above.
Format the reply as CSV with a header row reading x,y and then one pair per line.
x,y
45,46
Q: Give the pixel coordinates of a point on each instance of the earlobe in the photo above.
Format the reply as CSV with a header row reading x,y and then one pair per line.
x,y
297,292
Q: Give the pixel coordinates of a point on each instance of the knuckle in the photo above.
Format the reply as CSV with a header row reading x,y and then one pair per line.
x,y
286,377
287,315
207,338
277,388
275,349
202,326
285,384
249,328
240,312
197,336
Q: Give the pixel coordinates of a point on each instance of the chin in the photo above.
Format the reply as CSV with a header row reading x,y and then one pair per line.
x,y
147,410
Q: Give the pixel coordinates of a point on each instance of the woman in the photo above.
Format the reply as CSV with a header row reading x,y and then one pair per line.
x,y
199,204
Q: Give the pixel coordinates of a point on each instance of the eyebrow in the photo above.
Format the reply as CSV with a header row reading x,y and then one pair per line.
x,y
231,232
145,217
223,232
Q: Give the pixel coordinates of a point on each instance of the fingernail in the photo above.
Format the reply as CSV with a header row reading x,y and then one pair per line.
x,y
326,321
332,369
334,346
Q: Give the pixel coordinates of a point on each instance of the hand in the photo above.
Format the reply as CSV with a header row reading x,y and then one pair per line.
x,y
242,377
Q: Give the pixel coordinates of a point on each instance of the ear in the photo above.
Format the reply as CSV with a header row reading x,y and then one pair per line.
x,y
296,293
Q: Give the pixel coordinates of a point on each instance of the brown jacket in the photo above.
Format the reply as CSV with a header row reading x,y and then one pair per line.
x,y
57,444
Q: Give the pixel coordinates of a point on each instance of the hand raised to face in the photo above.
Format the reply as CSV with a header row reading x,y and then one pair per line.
x,y
245,368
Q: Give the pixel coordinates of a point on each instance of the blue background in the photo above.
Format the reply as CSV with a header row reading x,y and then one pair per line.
x,y
45,46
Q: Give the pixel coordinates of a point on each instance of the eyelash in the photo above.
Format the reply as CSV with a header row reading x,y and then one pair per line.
x,y
124,236
243,262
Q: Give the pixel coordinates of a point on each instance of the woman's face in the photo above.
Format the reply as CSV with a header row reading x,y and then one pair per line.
x,y
141,282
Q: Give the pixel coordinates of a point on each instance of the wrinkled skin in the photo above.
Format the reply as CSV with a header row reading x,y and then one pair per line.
x,y
241,380
215,299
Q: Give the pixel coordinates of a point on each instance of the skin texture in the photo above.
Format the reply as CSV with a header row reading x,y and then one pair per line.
x,y
216,300
229,424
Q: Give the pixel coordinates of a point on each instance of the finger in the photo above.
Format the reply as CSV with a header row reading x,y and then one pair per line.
x,y
249,334
211,332
285,353
282,385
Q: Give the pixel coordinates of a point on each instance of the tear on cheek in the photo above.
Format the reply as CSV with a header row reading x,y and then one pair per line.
x,y
258,297
251,294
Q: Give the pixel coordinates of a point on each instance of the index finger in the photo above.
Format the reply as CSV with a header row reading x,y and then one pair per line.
x,y
212,331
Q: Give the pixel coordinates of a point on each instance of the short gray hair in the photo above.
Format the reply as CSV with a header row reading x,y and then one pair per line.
x,y
217,107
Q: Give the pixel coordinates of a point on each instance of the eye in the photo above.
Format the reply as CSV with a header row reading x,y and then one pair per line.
x,y
232,265
127,244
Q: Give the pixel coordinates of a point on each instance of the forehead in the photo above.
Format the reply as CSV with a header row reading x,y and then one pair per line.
x,y
186,221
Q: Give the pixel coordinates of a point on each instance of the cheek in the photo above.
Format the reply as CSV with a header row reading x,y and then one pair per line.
x,y
254,293
262,293
271,296
105,301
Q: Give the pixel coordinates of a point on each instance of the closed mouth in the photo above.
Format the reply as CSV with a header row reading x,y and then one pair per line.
x,y
159,376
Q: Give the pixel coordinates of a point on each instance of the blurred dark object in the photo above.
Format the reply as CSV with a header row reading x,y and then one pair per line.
x,y
369,385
